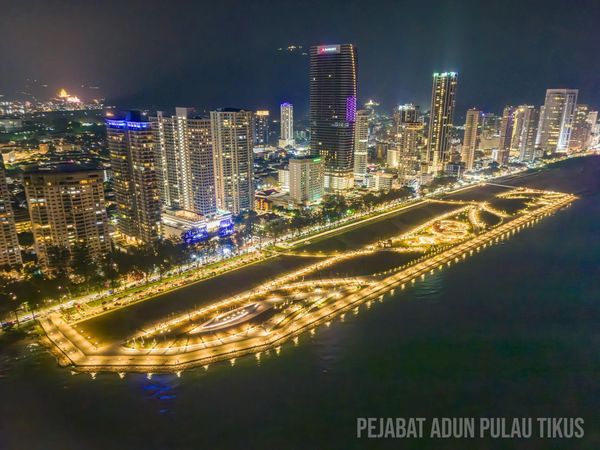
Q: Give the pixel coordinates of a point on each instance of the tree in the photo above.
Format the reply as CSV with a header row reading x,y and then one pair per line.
x,y
58,259
82,263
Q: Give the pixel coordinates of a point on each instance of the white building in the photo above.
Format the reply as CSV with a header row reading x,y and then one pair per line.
x,y
361,141
306,180
232,135
286,137
283,176
184,161
556,120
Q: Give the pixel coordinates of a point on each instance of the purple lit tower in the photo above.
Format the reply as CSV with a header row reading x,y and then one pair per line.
x,y
333,82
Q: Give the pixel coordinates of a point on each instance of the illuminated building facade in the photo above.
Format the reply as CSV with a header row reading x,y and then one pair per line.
x,y
10,253
286,137
556,120
441,117
361,144
135,181
232,131
261,128
507,126
471,137
333,78
408,141
582,130
184,162
527,118
306,180
67,210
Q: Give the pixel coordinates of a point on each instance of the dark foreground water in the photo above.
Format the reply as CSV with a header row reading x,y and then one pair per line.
x,y
514,331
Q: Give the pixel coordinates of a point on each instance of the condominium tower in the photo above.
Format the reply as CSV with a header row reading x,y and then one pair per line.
x,y
67,210
10,253
135,181
361,144
441,119
287,125
556,120
232,136
471,137
184,161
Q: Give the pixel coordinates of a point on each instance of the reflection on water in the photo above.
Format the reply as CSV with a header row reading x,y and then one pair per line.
x,y
512,332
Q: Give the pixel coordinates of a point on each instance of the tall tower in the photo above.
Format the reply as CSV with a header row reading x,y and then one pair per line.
x,y
525,127
10,253
287,125
440,118
333,76
506,135
133,162
471,137
261,128
582,130
184,161
361,141
232,131
556,121
408,141
66,206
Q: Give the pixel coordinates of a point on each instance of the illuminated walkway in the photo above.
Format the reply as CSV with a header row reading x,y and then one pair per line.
x,y
265,318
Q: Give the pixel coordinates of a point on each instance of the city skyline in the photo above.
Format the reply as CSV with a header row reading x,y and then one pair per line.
x,y
507,62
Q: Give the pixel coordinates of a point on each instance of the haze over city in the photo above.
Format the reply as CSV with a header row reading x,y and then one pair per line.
x,y
299,225
157,54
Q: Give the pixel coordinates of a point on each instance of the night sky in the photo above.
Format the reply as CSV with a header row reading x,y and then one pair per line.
x,y
159,54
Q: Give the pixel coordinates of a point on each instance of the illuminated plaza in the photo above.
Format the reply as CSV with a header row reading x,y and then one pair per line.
x,y
284,309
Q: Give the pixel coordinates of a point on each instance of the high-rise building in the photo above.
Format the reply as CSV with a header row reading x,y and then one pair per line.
x,y
10,253
135,182
556,120
490,132
333,77
471,138
582,130
232,131
527,118
184,161
361,144
261,128
407,113
286,138
67,210
506,135
408,141
440,119
306,180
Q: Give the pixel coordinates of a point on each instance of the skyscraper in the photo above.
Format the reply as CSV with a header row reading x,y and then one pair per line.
x,y
361,144
440,119
582,130
184,161
408,141
333,77
506,135
527,118
471,137
233,159
306,180
556,120
10,253
261,128
407,113
66,207
287,125
135,183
